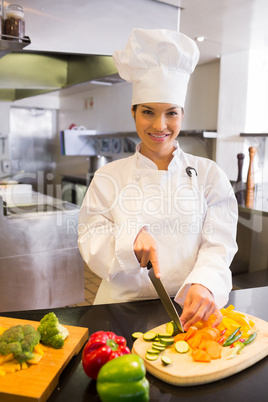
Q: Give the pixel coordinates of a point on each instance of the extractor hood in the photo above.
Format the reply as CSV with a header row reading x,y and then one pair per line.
x,y
24,74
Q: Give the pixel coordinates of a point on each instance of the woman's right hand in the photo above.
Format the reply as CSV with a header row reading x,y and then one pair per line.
x,y
145,249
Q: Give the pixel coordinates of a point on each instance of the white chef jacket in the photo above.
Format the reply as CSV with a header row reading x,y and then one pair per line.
x,y
193,220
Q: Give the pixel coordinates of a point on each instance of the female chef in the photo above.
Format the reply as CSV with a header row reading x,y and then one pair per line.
x,y
160,204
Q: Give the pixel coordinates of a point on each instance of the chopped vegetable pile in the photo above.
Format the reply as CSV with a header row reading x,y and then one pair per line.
x,y
19,348
203,341
20,345
19,340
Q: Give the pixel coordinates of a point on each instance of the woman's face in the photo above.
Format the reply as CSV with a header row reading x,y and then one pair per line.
x,y
157,124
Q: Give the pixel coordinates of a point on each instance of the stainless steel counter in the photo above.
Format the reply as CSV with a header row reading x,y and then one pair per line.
x,y
41,266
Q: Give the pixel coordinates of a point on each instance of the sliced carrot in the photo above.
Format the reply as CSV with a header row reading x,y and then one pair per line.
x,y
191,332
203,344
200,356
210,333
213,349
179,337
195,340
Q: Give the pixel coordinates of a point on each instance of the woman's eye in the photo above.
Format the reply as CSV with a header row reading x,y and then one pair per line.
x,y
172,114
147,111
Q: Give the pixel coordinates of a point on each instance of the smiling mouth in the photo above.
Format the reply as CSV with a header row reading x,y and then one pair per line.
x,y
158,135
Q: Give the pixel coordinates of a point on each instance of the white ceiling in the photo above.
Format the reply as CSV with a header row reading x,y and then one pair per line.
x,y
228,25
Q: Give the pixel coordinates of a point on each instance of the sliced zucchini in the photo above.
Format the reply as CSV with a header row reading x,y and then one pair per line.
x,y
150,357
182,346
149,336
159,344
153,351
172,328
164,335
166,360
167,341
158,348
136,335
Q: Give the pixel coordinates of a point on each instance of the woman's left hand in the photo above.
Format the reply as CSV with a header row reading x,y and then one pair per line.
x,y
199,305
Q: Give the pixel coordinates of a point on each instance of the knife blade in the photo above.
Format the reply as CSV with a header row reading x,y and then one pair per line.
x,y
164,297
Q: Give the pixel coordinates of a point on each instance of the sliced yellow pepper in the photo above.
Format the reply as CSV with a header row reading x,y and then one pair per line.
x,y
2,330
39,350
252,323
223,311
11,367
240,319
229,323
238,313
229,308
6,358
24,366
221,327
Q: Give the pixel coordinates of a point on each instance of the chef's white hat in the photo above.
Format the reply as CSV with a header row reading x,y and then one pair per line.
x,y
158,62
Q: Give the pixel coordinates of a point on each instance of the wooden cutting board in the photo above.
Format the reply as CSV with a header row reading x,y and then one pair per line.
x,y
38,382
185,372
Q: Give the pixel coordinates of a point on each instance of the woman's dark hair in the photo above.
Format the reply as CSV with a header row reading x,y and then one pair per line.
x,y
134,109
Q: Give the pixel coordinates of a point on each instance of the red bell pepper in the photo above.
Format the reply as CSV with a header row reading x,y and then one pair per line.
x,y
100,348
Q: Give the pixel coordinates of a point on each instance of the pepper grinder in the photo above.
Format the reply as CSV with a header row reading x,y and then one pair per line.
x,y
239,185
250,179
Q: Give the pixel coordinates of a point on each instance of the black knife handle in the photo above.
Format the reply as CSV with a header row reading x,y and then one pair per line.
x,y
149,265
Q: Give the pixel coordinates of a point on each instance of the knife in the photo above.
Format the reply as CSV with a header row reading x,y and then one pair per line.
x,y
164,297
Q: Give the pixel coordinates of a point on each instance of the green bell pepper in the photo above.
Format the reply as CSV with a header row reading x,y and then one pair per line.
x,y
123,379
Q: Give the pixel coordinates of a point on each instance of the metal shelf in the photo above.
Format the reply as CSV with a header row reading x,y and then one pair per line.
x,y
12,44
118,134
253,134
99,134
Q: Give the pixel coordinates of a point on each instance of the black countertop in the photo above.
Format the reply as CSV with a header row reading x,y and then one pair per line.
x,y
124,319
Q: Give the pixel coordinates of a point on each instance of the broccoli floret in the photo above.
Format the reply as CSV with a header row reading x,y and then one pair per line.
x,y
19,340
52,332
24,356
14,347
12,334
28,329
3,348
30,341
57,341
